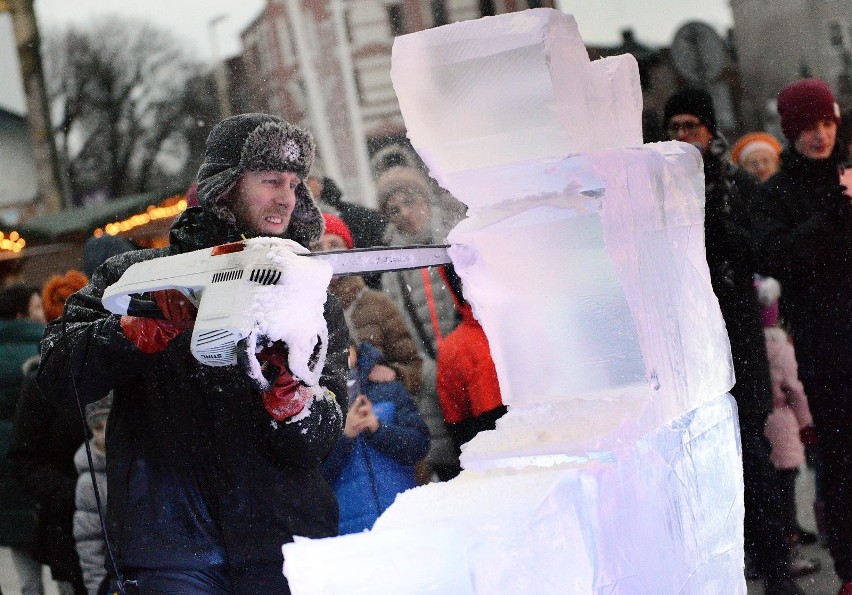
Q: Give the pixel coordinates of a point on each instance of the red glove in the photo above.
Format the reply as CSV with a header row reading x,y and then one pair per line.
x,y
174,305
287,396
151,335
808,436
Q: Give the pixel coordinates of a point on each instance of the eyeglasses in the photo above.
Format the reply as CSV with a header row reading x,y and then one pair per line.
x,y
394,207
687,127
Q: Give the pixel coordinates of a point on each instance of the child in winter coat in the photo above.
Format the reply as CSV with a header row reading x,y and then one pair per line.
x,y
87,524
790,424
383,438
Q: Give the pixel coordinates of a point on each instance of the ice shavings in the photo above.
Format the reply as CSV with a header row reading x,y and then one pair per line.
x,y
290,311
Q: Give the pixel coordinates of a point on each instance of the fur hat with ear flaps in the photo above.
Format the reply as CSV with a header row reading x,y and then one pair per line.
x,y
258,142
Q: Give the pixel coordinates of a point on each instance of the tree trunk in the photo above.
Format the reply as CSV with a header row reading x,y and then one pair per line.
x,y
50,189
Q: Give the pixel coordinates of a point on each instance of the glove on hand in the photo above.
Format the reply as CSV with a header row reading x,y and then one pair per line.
x,y
808,436
174,305
286,396
151,335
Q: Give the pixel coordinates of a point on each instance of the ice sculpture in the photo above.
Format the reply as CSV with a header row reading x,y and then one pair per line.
x,y
617,468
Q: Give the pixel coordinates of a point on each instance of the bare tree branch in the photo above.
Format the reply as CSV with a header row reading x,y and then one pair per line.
x,y
122,91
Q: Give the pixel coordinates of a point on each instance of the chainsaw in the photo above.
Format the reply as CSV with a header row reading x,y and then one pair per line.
x,y
218,282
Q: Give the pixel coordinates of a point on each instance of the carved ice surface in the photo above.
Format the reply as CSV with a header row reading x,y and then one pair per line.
x,y
617,467
527,88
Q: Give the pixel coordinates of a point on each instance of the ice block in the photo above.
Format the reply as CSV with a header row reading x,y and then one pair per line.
x,y
521,86
617,467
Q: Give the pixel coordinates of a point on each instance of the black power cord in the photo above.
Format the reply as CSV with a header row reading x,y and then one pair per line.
x,y
118,576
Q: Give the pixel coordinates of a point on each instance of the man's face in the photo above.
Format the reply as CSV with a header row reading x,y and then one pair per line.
x,y
689,129
265,201
408,211
817,142
761,163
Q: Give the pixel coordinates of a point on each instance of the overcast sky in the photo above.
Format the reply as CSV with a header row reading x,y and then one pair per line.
x,y
600,21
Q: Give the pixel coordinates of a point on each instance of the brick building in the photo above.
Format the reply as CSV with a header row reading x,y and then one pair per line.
x,y
293,58
779,41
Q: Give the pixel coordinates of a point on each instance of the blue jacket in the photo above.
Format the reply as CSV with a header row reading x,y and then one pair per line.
x,y
368,472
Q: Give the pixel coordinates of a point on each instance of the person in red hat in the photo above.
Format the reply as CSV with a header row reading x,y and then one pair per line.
x,y
372,316
803,230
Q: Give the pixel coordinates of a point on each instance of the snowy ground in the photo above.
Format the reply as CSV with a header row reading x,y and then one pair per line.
x,y
9,584
822,583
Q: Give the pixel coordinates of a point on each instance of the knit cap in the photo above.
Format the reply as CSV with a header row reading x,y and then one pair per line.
x,y
751,142
768,293
57,289
98,410
401,179
335,226
258,142
693,101
98,250
803,104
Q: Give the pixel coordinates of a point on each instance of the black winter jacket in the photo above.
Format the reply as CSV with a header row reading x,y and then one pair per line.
x,y
44,440
803,226
732,263
199,474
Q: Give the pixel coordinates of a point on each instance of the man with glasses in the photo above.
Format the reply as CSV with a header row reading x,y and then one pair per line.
x,y
690,118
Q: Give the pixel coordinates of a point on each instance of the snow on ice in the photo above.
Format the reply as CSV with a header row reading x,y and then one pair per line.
x,y
583,258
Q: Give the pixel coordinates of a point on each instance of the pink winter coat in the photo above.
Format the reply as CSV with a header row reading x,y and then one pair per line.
x,y
791,411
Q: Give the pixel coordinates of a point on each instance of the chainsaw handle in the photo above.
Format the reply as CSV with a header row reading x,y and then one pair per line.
x,y
144,307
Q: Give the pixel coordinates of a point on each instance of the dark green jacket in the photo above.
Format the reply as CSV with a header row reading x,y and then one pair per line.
x,y
19,341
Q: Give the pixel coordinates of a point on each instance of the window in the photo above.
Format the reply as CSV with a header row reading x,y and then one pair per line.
x,y
533,3
348,25
396,18
439,12
486,8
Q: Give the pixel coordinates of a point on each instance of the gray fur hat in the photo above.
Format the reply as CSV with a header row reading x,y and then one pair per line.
x,y
402,178
259,142
98,410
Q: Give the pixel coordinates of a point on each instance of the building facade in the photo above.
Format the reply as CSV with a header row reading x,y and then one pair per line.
x,y
779,41
326,64
18,191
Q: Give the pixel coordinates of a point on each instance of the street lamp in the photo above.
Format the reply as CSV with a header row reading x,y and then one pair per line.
x,y
221,75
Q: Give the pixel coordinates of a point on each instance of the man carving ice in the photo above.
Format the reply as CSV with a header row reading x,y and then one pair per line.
x,y
209,474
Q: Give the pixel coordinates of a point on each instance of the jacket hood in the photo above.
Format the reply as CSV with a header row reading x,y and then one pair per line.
x,y
368,356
